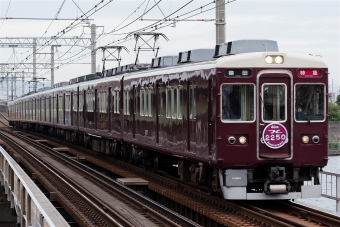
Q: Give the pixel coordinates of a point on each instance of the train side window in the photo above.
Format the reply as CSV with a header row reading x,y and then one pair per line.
x,y
116,101
237,102
105,102
146,102
310,102
126,103
75,101
180,102
168,102
142,102
160,101
135,101
192,101
81,101
150,93
174,102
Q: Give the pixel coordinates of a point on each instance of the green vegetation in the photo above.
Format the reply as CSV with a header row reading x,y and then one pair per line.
x,y
334,111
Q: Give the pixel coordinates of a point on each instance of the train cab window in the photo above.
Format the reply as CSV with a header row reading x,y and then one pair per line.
x,y
237,102
310,102
274,102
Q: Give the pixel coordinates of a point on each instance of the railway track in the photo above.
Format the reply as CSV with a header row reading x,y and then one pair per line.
x,y
293,214
213,209
92,206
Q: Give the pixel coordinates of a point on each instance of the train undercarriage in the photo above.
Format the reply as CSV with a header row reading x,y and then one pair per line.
x,y
261,183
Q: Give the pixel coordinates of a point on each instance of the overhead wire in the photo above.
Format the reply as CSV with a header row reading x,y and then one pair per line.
x,y
9,4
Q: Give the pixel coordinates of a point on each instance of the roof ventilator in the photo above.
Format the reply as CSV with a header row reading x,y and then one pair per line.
x,y
245,46
195,55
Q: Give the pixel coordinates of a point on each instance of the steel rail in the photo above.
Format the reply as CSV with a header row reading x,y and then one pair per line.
x,y
148,205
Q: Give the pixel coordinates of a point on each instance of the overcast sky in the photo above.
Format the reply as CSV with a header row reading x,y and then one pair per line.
x,y
299,26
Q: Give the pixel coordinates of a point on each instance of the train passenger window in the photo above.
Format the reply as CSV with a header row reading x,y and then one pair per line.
x,y
75,101
310,102
135,101
146,102
237,102
68,103
192,101
274,102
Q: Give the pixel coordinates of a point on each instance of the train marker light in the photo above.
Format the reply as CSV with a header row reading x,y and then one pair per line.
x,y
231,140
305,139
315,139
269,59
242,140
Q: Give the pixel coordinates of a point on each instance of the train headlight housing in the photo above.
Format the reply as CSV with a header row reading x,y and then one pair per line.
x,y
274,59
242,140
315,139
269,59
305,139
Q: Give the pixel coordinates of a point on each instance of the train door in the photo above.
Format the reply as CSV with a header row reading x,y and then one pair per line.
x,y
95,109
134,106
274,115
210,119
191,136
110,108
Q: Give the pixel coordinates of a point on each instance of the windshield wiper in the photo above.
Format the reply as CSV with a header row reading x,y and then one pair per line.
x,y
302,113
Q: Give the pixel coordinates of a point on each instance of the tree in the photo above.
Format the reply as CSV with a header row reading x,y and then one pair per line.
x,y
337,100
334,111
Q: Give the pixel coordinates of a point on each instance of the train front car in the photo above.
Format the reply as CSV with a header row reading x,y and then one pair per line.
x,y
272,125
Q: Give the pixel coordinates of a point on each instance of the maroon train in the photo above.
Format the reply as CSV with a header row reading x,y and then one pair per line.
x,y
250,123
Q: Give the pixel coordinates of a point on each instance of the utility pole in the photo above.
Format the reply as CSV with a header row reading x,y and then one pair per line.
x,y
220,21
93,48
34,64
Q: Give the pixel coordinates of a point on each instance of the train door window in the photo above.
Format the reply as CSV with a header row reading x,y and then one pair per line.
x,y
310,102
168,102
180,102
142,102
81,101
160,101
149,107
116,101
136,101
103,101
174,102
48,109
75,101
274,102
146,102
192,101
68,103
126,103
237,102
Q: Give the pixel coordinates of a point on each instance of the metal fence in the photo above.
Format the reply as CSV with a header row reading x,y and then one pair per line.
x,y
330,183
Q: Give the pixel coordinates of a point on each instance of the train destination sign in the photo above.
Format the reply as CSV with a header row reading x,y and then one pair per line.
x,y
275,135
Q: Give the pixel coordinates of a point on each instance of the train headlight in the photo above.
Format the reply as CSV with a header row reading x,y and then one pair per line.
x,y
305,139
269,59
274,59
315,139
231,140
279,60
242,140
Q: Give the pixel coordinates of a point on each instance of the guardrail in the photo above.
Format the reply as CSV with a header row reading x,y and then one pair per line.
x,y
331,187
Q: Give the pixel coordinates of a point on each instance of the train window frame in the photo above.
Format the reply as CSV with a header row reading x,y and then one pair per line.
x,y
263,98
308,116
244,105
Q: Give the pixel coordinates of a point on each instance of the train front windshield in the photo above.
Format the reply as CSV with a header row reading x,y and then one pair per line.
x,y
309,102
237,102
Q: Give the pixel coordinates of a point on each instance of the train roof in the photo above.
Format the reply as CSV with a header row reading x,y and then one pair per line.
x,y
245,60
